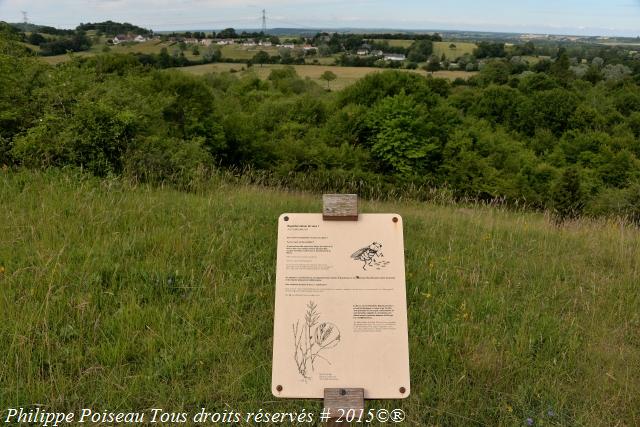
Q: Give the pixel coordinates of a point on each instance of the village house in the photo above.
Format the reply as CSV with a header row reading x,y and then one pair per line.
x,y
265,43
206,42
122,38
364,50
394,57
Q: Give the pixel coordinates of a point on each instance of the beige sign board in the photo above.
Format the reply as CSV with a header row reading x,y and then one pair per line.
x,y
341,310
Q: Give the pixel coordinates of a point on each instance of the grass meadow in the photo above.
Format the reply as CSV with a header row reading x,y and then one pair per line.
x,y
439,48
148,47
452,53
396,42
126,297
243,52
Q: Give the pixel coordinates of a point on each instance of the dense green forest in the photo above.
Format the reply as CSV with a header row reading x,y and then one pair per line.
x,y
547,139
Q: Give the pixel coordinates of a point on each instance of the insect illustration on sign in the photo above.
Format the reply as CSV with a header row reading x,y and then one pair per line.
x,y
370,255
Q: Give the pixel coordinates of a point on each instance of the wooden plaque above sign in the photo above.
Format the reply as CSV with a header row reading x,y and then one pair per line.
x,y
340,311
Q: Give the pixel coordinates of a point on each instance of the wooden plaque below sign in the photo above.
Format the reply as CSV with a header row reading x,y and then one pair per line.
x,y
340,312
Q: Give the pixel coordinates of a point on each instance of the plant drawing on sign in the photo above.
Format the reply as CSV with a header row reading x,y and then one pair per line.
x,y
312,338
370,255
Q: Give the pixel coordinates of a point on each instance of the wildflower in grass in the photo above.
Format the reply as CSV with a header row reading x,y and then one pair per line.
x,y
529,421
551,413
1,269
463,313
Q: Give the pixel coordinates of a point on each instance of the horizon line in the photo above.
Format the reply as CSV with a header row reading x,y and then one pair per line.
x,y
364,29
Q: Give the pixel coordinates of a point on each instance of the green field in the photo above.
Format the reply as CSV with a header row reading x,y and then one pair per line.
x,y
439,48
148,47
155,46
244,52
124,297
345,75
452,53
395,43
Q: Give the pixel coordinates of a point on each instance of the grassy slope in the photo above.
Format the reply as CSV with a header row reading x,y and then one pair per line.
x,y
133,298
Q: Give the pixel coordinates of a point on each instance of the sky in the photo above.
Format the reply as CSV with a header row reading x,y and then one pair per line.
x,y
584,17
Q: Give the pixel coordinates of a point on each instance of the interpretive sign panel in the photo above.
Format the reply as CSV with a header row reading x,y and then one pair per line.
x,y
340,310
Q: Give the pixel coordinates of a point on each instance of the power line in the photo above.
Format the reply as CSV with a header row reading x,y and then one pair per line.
x,y
297,25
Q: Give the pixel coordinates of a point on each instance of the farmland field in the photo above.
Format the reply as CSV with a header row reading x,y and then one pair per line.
x,y
452,53
127,296
148,47
439,48
152,46
345,75
396,43
245,52
155,46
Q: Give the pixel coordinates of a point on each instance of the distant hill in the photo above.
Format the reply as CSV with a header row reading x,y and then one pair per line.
x,y
25,27
111,28
44,29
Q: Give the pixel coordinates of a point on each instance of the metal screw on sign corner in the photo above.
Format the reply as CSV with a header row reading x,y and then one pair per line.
x,y
279,388
343,392
286,218
395,219
402,390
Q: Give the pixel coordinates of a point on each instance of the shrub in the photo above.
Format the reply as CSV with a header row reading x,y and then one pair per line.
x,y
156,160
95,138
567,196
